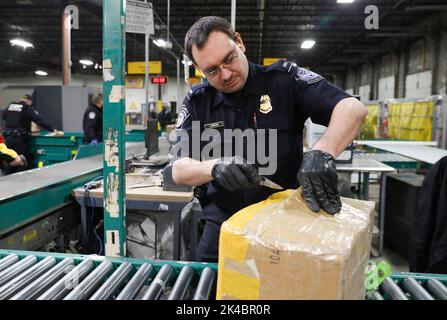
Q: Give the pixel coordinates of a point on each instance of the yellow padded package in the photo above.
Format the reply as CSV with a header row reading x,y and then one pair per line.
x,y
279,249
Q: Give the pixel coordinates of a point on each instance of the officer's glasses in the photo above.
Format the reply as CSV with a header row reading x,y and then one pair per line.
x,y
215,71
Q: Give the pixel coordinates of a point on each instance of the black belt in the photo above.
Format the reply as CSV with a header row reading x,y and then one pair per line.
x,y
15,133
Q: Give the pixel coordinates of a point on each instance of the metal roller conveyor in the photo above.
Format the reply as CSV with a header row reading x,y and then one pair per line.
x,y
55,276
19,282
7,261
68,282
206,284
40,285
91,282
393,290
109,287
158,285
416,290
135,284
437,289
182,284
374,295
16,269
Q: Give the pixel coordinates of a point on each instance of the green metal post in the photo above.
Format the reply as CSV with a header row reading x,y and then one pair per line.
x,y
114,58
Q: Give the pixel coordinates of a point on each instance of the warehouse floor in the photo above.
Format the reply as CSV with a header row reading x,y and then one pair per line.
x,y
397,263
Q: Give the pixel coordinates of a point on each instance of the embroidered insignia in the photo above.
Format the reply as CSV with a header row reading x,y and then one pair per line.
x,y
183,115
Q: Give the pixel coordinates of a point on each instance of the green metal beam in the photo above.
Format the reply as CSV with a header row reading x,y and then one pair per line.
x,y
114,55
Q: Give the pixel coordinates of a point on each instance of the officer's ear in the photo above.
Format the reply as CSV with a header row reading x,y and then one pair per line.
x,y
239,42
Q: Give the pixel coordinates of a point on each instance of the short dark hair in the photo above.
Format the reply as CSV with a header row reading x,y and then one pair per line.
x,y
28,97
97,98
198,34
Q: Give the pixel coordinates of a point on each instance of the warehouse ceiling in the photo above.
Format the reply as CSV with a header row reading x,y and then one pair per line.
x,y
269,28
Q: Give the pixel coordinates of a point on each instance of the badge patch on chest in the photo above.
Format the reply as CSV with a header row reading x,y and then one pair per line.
x,y
265,106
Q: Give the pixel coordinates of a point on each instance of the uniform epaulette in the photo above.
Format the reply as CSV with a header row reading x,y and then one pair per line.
x,y
197,89
282,65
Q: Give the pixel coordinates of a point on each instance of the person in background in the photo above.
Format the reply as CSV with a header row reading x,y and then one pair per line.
x,y
165,118
92,122
18,117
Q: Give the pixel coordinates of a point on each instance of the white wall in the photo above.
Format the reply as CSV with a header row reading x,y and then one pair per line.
x,y
136,97
364,92
12,89
386,87
418,85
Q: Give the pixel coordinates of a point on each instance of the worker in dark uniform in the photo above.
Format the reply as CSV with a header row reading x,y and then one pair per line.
x,y
165,118
92,122
18,117
242,95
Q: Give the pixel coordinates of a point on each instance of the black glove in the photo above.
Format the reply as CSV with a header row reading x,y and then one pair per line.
x,y
235,174
318,178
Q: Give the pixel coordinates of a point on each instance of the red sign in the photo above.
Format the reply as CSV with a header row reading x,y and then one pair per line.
x,y
159,80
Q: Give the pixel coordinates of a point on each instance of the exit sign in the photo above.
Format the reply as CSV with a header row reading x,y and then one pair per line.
x,y
159,80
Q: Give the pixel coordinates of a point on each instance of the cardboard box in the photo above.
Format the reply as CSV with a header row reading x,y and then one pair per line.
x,y
279,249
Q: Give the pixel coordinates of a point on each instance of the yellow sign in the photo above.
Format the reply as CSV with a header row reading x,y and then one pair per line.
x,y
29,236
198,74
269,61
193,80
139,67
135,82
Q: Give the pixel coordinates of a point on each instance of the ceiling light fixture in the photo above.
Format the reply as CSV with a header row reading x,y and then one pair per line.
x,y
160,43
21,43
345,1
86,62
307,44
41,73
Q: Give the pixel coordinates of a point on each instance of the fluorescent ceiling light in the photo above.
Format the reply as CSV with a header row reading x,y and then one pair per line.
x,y
345,1
41,73
21,43
86,62
307,44
160,43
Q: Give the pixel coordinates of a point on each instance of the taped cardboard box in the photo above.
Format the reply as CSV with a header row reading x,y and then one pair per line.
x,y
279,249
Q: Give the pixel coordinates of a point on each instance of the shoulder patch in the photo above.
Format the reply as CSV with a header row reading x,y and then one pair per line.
x,y
15,107
195,89
282,66
182,116
307,76
91,115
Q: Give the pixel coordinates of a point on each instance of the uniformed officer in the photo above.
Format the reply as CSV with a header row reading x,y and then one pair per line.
x,y
18,117
92,122
165,118
243,95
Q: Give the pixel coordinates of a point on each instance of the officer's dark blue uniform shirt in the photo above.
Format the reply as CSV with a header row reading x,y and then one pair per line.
x,y
294,95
